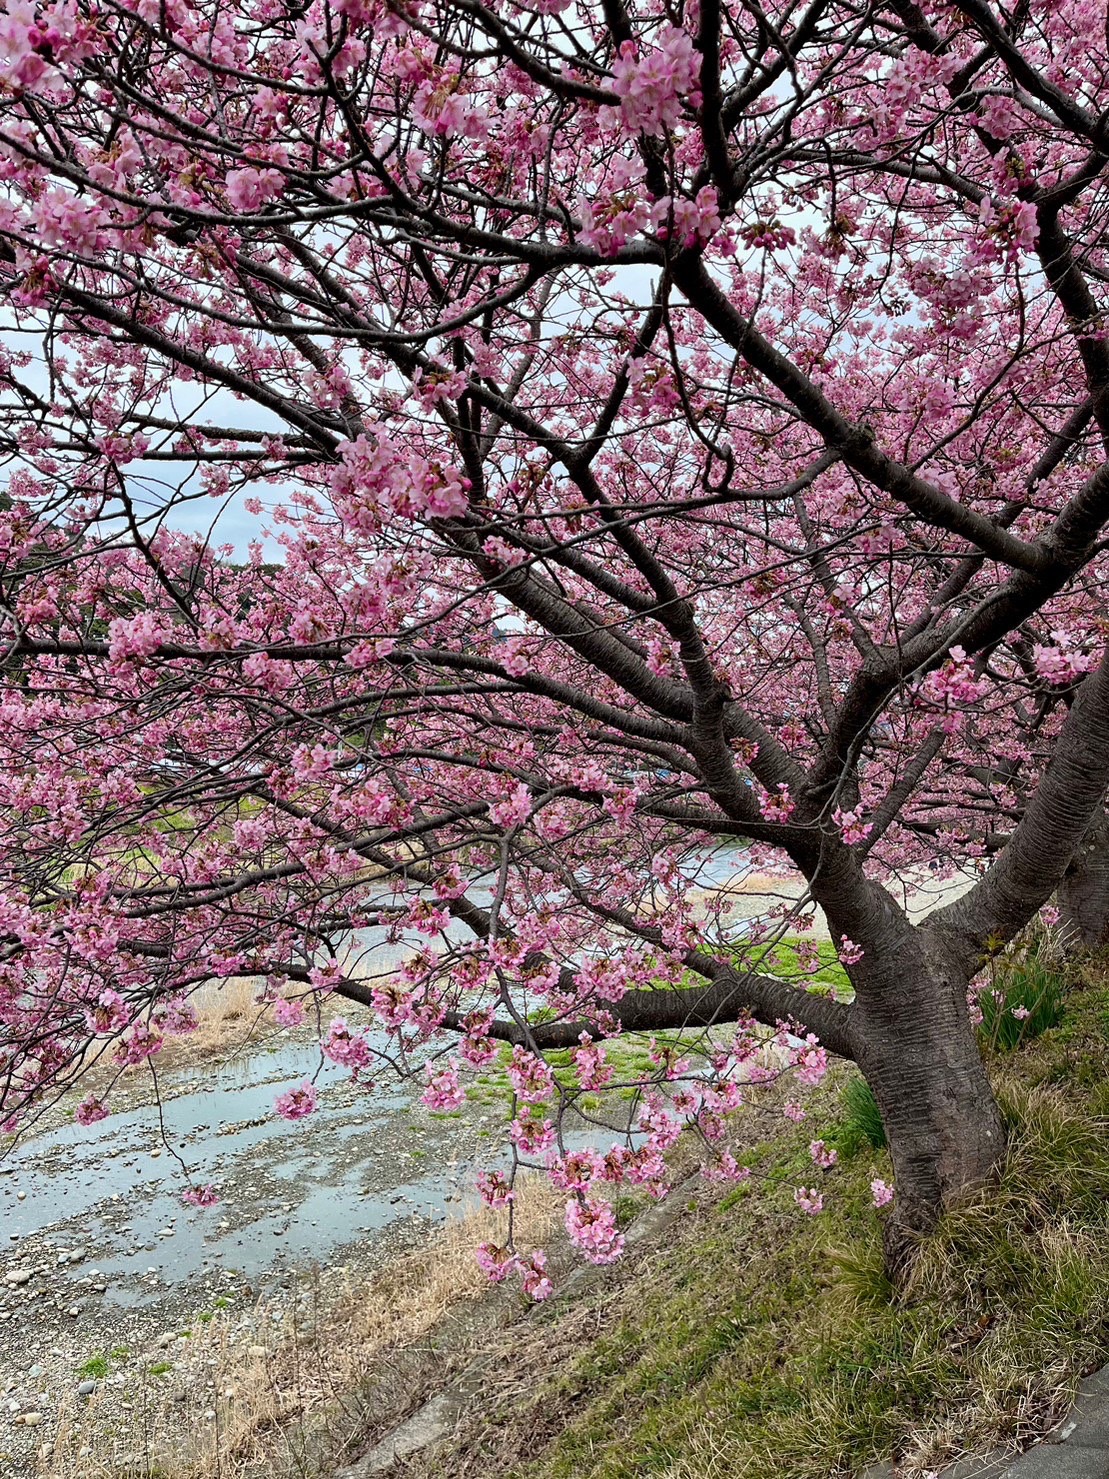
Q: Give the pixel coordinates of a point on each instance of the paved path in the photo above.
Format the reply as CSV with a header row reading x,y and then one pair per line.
x,y
1077,1449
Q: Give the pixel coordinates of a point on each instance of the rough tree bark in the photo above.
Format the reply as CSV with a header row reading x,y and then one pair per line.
x,y
919,1054
1083,892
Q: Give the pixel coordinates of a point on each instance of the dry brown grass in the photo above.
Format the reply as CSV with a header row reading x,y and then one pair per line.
x,y
243,1402
228,1017
226,1011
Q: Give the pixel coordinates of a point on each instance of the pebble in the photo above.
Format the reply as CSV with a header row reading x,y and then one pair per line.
x,y
19,1276
31,1419
86,1389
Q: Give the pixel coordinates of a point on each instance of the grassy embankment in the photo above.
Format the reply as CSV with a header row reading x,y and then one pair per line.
x,y
748,1339
759,1342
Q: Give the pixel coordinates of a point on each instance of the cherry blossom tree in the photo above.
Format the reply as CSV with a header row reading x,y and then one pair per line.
x,y
663,424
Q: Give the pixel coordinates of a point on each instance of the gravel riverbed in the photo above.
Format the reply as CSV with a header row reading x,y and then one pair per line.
x,y
103,1270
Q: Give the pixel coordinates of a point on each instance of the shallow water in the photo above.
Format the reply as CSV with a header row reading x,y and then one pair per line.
x,y
293,1192
364,1162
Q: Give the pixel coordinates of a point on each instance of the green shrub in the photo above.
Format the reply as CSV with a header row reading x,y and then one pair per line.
x,y
1023,999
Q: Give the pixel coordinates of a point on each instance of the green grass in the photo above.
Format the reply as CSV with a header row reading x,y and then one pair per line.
x,y
205,1317
751,1353
1074,1054
97,1367
862,1119
758,1343
628,1055
781,959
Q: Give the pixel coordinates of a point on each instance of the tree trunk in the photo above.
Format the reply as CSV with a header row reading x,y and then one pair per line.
x,y
919,1053
1083,894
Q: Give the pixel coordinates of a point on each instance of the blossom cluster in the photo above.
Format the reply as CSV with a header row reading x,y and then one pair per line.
x,y
651,84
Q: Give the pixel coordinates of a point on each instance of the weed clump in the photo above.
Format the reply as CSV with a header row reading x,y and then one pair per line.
x,y
862,1119
1024,996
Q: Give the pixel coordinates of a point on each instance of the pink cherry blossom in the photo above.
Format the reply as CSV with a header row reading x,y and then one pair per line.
x,y
778,806
108,1013
248,189
810,1061
727,1168
530,1076
137,637
1060,663
530,1134
848,952
536,1281
852,828
345,1047
592,1227
288,1013
576,1170
444,1092
200,1196
514,810
594,1072
298,1103
822,1155
652,84
140,1043
495,1263
90,1110
495,1189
